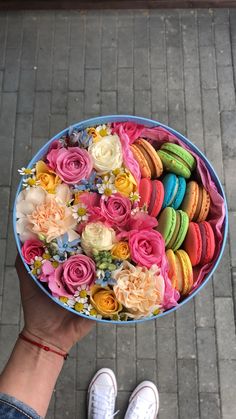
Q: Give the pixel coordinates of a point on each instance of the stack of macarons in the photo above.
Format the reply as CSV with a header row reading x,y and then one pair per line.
x,y
149,162
181,208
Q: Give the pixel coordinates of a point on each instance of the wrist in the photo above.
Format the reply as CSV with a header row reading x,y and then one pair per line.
x,y
46,340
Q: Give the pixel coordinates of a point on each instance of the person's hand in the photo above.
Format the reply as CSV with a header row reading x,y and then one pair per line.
x,y
45,319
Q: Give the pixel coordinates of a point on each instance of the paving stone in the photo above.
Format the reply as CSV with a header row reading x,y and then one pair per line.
x,y
81,404
168,406
65,406
77,54
29,42
126,354
226,88
142,103
204,306
225,328
160,117
45,53
75,107
57,123
205,29
232,223
11,246
86,367
221,279
41,114
221,16
109,69
229,167
51,408
176,110
207,360
22,150
59,92
166,321
146,340
228,384
12,69
166,360
92,91
8,336
3,37
7,129
125,91
106,363
37,143
14,38
61,43
185,321
93,42
122,402
222,44
187,389
146,370
2,261
108,103
141,69
173,31
232,14
67,378
157,42
106,341
141,31
109,29
4,209
159,90
190,39
125,46
208,67
25,102
210,405
211,113
228,124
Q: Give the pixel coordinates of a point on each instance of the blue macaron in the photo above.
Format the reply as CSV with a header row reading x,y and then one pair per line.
x,y
180,193
175,187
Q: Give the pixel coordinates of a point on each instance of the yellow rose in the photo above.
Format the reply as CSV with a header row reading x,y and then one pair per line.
x,y
104,301
139,289
96,236
47,178
106,154
121,251
125,183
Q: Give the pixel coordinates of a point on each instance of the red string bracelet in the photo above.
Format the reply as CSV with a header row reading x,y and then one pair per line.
x,y
44,347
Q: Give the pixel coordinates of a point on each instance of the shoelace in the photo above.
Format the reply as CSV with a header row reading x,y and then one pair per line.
x,y
138,407
102,406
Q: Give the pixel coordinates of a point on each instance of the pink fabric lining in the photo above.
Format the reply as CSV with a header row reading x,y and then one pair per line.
x,y
157,136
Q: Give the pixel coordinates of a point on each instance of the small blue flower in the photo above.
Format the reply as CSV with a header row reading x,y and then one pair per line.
x,y
65,246
89,184
105,279
60,258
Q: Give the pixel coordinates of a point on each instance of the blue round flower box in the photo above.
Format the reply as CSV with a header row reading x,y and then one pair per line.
x,y
148,123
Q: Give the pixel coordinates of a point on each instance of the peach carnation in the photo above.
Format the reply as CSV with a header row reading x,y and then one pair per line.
x,y
139,289
40,213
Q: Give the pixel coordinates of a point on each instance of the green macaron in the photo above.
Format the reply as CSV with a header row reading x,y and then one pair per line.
x,y
183,229
177,160
166,223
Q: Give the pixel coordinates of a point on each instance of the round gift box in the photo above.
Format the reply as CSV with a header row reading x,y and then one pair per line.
x,y
147,123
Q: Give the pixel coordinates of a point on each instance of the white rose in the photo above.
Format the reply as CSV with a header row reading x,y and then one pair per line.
x,y
96,236
106,154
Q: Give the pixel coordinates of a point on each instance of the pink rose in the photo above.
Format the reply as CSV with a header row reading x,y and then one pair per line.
x,y
68,276
132,129
116,209
72,164
147,248
32,248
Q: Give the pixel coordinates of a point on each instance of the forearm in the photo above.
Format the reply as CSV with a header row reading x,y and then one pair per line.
x,y
30,375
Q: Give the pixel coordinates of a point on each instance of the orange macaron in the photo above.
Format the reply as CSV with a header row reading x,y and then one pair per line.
x,y
196,202
180,271
149,162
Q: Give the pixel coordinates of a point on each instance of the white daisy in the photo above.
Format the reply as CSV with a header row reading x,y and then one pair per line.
x,y
31,182
134,197
107,187
103,130
26,171
70,302
79,212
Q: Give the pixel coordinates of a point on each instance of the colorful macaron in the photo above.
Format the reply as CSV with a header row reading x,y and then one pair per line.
x,y
200,243
151,195
196,202
175,187
177,159
149,162
173,226
180,271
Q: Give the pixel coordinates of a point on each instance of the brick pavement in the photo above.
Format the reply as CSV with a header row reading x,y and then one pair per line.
x,y
178,67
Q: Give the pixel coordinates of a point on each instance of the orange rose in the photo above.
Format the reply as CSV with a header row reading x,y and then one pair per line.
x,y
125,183
47,178
121,251
104,301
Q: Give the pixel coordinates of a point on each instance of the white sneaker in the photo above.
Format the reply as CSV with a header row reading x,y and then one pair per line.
x,y
143,402
102,394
